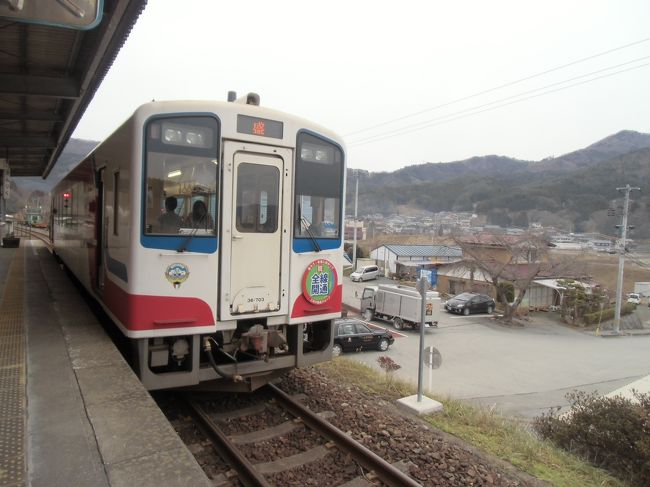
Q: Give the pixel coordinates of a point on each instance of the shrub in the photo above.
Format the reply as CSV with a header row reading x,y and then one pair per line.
x,y
608,314
611,433
389,366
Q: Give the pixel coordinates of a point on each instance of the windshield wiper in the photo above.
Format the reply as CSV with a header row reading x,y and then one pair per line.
x,y
306,223
187,241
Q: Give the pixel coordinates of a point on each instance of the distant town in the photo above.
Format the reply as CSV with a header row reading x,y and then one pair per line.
x,y
448,223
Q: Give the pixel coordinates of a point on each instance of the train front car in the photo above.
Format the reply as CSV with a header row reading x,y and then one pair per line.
x,y
222,245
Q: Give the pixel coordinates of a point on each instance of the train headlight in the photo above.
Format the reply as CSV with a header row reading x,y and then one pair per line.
x,y
321,155
173,136
194,138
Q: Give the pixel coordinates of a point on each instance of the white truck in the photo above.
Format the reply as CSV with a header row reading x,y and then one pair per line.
x,y
400,304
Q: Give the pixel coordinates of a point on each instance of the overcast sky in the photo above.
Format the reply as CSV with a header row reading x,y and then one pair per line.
x,y
402,82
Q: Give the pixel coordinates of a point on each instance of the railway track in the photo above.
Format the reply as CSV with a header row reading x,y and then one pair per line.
x,y
306,445
25,231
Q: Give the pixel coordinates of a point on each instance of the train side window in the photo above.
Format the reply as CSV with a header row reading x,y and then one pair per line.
x,y
319,188
116,202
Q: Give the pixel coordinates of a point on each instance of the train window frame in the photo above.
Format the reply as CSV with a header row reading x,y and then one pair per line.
x,y
195,158
310,176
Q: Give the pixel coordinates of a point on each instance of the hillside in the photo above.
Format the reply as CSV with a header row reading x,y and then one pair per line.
x,y
572,191
25,189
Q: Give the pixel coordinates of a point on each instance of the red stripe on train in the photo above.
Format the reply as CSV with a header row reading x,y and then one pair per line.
x,y
302,307
141,312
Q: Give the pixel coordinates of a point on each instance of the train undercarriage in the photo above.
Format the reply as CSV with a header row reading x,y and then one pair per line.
x,y
242,359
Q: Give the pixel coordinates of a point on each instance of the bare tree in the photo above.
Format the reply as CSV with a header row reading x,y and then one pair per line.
x,y
505,260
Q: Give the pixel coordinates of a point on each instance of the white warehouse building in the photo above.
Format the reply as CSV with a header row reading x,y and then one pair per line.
x,y
391,258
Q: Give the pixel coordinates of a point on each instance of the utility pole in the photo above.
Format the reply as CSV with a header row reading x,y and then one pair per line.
x,y
621,258
422,286
354,246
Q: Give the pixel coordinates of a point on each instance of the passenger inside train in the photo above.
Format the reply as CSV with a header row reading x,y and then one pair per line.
x,y
170,221
199,217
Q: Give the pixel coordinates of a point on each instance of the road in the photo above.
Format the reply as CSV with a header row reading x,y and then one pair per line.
x,y
522,371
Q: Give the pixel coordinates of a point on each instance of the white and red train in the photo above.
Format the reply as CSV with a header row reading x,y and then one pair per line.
x,y
211,234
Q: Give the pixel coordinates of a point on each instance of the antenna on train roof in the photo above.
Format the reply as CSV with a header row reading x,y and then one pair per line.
x,y
232,96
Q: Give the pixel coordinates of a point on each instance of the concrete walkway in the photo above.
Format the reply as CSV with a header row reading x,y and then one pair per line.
x,y
642,386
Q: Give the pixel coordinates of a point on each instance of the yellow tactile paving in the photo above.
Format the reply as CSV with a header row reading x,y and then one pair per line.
x,y
12,376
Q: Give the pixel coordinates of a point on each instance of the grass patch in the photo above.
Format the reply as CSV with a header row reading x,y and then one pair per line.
x,y
505,438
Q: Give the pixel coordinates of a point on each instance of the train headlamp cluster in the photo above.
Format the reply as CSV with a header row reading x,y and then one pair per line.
x,y
322,154
187,136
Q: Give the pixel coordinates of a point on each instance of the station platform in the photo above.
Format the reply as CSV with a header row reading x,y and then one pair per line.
x,y
72,413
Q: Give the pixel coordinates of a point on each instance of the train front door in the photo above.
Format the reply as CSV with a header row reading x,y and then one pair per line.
x,y
255,239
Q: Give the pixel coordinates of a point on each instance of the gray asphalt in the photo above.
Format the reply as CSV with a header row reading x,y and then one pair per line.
x,y
519,371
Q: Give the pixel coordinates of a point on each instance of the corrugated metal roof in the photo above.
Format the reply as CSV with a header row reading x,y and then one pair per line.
x,y
425,250
48,76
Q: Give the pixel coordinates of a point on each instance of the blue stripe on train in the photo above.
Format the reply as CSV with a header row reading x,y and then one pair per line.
x,y
302,245
205,245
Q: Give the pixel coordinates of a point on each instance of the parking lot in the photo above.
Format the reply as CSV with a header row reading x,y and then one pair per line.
x,y
523,371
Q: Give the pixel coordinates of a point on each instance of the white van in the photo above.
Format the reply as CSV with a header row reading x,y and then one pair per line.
x,y
634,298
365,273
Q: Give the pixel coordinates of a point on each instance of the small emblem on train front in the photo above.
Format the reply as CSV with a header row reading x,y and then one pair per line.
x,y
177,274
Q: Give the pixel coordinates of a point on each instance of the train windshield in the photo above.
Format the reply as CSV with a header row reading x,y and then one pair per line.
x,y
319,188
181,173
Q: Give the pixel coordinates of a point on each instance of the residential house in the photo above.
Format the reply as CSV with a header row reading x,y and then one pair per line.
x,y
544,292
513,259
361,230
407,260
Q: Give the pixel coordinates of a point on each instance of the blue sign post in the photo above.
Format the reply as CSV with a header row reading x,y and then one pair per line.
x,y
431,275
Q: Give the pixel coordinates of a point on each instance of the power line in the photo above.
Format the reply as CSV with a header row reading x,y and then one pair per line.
x,y
400,129
520,80
477,110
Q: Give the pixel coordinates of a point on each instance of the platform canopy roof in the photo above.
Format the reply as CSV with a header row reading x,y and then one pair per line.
x,y
49,75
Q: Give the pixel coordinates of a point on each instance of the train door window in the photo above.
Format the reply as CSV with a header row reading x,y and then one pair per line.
x,y
319,188
257,198
181,174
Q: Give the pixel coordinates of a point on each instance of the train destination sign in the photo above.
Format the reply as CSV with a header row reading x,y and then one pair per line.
x,y
259,126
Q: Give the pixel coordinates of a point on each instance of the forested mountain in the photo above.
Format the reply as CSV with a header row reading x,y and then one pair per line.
x,y
572,191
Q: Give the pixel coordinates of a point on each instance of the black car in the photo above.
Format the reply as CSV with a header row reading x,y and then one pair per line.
x,y
352,335
467,303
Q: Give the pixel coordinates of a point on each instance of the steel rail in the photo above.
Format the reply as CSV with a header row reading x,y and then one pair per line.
x,y
385,472
31,232
247,473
